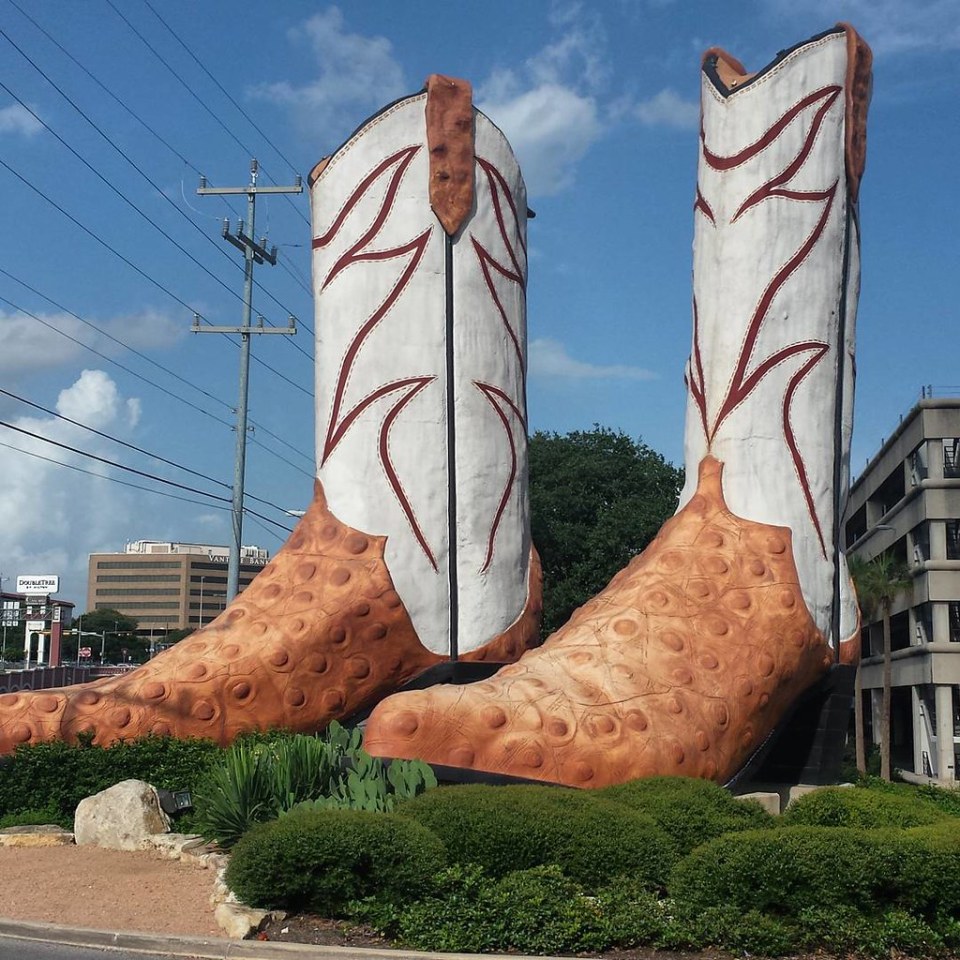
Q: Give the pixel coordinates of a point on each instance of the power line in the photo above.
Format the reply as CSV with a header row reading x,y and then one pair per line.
x,y
156,364
137,486
139,170
112,463
220,87
133,470
133,446
137,269
192,92
104,476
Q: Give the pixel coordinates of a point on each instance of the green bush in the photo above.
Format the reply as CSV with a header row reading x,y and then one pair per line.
x,y
59,775
691,811
530,911
504,829
865,808
783,872
320,860
750,932
36,817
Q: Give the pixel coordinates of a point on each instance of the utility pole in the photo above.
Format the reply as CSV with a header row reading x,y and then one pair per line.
x,y
253,252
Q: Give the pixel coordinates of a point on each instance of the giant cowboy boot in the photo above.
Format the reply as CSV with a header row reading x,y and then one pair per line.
x,y
416,548
695,652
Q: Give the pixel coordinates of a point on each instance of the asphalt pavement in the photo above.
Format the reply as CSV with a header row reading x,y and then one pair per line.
x,y
48,941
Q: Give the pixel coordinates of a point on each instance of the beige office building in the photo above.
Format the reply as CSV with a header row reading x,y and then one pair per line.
x,y
167,586
907,500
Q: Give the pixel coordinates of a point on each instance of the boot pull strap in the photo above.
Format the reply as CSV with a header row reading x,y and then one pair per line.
x,y
858,89
450,144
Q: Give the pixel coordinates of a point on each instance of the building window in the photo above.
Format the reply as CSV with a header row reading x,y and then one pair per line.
x,y
953,539
951,457
139,578
890,492
138,564
139,592
146,605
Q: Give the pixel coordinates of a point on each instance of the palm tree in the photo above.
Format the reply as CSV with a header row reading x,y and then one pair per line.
x,y
878,581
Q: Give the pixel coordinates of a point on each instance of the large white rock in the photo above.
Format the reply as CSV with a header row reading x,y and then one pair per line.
x,y
122,817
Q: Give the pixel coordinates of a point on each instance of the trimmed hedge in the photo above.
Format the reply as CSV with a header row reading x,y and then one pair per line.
x,y
503,829
864,808
320,860
57,775
690,811
784,872
532,911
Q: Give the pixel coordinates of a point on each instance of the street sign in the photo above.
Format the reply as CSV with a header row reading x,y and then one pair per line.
x,y
38,584
85,652
36,626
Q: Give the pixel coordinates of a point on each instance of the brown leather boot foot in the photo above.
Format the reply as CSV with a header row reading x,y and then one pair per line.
x,y
319,634
682,666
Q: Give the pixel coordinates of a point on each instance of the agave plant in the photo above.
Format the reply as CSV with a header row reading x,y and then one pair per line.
x,y
260,780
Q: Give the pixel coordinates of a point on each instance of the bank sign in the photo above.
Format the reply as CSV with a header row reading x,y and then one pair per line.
x,y
38,585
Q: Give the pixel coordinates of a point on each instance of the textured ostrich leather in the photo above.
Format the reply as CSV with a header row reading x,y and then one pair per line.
x,y
318,634
681,666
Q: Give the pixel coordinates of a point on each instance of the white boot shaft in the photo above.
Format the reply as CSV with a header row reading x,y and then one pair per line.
x,y
421,356
776,280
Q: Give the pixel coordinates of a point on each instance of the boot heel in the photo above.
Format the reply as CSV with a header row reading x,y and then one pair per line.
x,y
807,746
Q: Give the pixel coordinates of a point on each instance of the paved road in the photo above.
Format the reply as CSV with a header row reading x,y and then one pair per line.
x,y
12,948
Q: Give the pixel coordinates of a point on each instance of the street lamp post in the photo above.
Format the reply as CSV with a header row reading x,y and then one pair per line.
x,y
3,615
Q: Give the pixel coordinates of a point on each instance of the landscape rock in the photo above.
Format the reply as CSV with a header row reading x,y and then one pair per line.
x,y
122,817
239,922
41,835
769,801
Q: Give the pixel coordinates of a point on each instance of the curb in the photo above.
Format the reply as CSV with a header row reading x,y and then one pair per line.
x,y
208,948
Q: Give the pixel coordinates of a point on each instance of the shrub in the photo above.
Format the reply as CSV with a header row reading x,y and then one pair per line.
x,y
531,911
59,775
728,928
691,811
857,807
34,817
510,828
786,871
321,860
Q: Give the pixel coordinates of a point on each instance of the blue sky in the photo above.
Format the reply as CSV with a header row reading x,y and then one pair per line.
x,y
599,100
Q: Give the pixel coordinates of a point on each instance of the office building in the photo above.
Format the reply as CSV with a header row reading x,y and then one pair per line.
x,y
167,586
907,501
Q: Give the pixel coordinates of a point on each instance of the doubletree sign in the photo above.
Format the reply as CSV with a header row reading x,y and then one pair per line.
x,y
38,584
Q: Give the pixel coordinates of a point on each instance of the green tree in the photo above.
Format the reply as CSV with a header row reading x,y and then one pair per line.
x,y
597,498
116,633
878,581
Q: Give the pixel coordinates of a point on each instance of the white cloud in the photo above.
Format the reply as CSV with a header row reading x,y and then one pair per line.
x,y
17,120
549,359
550,128
358,74
889,26
51,517
550,106
45,344
668,109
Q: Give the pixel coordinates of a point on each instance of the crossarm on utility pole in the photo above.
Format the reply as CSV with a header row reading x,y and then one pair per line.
x,y
252,253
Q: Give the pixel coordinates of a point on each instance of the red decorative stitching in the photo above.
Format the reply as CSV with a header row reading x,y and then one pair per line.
x,y
418,384
743,383
489,392
728,163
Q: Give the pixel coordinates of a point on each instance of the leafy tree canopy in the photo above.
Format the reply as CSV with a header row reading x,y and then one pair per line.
x,y
119,633
597,498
